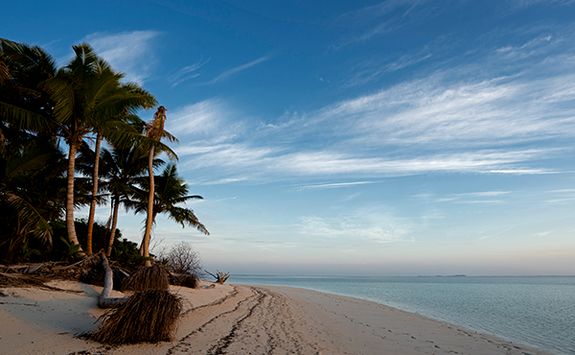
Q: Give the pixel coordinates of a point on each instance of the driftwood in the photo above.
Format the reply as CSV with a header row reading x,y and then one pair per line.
x,y
220,276
104,299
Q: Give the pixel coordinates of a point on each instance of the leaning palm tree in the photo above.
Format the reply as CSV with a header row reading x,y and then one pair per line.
x,y
154,132
169,196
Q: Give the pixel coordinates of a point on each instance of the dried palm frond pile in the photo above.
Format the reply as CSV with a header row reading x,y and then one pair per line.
x,y
154,277
186,280
52,270
148,316
21,280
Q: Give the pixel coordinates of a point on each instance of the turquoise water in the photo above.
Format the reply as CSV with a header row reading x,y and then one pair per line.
x,y
539,311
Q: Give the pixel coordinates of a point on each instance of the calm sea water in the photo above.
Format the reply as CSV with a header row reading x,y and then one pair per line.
x,y
539,311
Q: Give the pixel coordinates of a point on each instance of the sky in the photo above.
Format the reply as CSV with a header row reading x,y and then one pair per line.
x,y
398,137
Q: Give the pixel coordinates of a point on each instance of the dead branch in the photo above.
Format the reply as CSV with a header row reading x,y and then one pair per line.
x,y
104,299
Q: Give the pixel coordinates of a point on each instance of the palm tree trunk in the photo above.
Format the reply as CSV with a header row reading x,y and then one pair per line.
x,y
109,221
72,237
116,204
95,181
145,248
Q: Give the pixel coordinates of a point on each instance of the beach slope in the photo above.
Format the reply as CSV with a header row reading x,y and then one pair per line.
x,y
229,319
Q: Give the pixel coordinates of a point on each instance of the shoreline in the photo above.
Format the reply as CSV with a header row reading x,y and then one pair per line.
x,y
239,319
504,344
408,311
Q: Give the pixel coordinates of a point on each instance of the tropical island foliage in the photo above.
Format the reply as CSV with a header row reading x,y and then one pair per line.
x,y
73,137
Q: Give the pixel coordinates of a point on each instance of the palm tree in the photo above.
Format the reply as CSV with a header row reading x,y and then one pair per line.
x,y
170,194
29,158
25,106
116,122
81,92
154,132
30,196
123,168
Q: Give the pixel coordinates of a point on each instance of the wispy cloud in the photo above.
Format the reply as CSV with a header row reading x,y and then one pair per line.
x,y
471,198
485,193
223,181
560,197
382,18
532,47
529,3
333,185
238,69
125,52
200,119
497,111
370,71
188,72
310,163
449,121
272,162
362,225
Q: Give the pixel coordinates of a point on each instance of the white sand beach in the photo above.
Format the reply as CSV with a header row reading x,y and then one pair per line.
x,y
232,319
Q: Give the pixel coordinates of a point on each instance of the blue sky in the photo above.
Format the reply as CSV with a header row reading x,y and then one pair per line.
x,y
385,137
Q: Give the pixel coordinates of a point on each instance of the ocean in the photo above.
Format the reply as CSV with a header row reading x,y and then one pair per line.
x,y
537,311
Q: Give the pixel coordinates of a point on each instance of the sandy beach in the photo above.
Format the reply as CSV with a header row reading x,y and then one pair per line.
x,y
236,319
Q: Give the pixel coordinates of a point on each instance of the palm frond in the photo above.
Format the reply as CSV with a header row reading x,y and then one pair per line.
x,y
30,219
185,216
24,119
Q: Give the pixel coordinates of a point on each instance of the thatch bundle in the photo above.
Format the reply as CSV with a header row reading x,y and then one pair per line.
x,y
147,316
145,278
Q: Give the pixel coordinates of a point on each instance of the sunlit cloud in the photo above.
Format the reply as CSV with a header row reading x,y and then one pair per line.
x,y
448,121
125,52
199,119
497,111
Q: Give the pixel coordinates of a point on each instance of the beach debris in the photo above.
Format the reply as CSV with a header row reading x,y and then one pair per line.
x,y
104,299
21,280
185,280
153,277
51,269
147,316
220,276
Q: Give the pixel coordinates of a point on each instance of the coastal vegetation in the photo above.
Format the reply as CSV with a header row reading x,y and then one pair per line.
x,y
73,137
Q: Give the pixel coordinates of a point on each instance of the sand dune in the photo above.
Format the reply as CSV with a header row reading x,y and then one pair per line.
x,y
238,320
